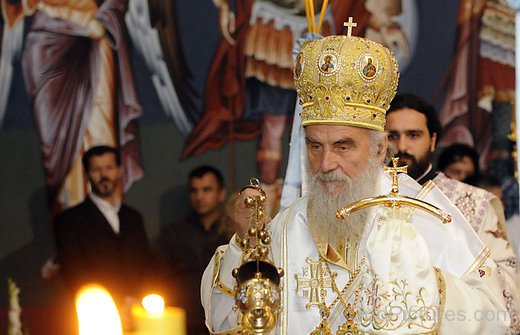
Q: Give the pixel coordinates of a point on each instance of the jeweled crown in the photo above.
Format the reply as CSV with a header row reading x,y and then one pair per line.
x,y
345,80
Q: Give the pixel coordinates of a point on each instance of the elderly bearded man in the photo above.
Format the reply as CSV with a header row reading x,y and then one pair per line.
x,y
383,271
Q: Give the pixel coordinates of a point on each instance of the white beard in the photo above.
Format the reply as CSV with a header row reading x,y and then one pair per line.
x,y
322,205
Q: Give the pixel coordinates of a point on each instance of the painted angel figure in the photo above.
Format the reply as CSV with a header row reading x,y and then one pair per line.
x,y
79,76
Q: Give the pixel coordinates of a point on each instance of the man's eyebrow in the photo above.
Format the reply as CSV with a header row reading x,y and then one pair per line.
x,y
346,140
405,131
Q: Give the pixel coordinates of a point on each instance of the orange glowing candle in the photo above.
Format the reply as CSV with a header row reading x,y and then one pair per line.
x,y
97,312
153,318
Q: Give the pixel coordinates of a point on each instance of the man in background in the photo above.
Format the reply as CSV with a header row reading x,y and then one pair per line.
x,y
414,129
102,240
186,246
458,161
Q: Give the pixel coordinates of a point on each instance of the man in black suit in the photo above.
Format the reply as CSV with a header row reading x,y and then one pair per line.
x,y
186,246
102,240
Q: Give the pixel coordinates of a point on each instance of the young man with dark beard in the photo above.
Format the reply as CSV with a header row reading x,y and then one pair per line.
x,y
413,130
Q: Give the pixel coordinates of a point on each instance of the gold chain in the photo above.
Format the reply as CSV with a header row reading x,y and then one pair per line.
x,y
349,327
347,286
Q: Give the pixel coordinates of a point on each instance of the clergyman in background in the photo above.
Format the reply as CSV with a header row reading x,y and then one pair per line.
x,y
414,130
458,161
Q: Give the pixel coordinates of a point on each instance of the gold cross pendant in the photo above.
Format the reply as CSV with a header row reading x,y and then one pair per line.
x,y
349,327
322,329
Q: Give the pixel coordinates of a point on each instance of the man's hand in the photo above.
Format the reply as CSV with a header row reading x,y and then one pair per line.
x,y
242,214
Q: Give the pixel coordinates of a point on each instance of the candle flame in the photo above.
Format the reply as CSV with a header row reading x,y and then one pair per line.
x,y
97,312
153,304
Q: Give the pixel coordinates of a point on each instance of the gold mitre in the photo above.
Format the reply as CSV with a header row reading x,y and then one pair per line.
x,y
345,80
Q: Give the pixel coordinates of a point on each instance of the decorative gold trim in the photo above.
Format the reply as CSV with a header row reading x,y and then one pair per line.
x,y
225,289
479,260
442,296
343,122
284,258
426,189
235,331
347,295
216,274
216,266
429,333
351,105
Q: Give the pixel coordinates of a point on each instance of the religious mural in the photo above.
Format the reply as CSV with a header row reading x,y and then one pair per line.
x,y
480,85
77,68
79,76
250,90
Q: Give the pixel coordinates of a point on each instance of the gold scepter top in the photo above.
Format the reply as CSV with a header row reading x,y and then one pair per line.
x,y
394,199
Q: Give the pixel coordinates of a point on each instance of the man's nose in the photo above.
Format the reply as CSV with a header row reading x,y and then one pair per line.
x,y
198,196
402,144
329,161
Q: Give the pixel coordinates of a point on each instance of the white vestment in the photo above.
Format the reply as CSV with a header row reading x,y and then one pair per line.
x,y
416,271
485,214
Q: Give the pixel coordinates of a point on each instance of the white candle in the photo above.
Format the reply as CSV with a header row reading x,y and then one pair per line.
x,y
157,319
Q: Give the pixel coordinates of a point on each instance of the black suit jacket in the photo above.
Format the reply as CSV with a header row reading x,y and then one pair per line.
x,y
89,251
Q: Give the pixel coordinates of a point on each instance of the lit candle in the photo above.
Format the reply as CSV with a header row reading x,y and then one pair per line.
x,y
97,312
152,318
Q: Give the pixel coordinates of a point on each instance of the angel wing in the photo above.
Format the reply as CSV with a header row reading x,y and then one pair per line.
x,y
12,40
151,25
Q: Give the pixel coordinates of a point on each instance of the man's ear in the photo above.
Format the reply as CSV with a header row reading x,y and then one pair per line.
x,y
381,150
433,142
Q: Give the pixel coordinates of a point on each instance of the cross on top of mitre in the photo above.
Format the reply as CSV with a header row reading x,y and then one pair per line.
x,y
349,24
393,171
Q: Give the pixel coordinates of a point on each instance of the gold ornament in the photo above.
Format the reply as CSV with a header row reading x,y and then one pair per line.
x,y
394,199
322,329
349,327
345,80
257,294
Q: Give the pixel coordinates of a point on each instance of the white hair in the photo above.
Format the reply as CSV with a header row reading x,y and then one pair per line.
x,y
376,138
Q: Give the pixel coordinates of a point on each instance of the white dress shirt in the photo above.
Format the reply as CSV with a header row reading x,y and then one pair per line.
x,y
108,211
